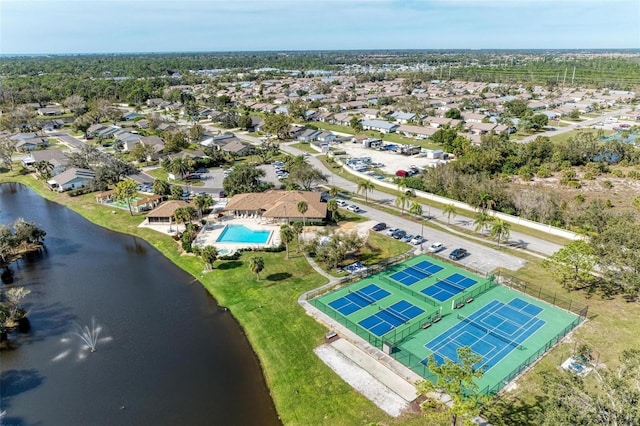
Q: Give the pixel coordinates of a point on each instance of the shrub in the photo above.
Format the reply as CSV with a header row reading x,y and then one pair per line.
x,y
607,184
617,173
574,184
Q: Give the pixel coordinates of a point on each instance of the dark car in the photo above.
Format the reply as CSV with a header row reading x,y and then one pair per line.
x,y
458,254
193,176
399,234
379,226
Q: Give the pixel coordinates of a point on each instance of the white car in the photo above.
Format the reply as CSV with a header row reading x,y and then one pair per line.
x,y
418,239
342,203
353,208
436,247
390,231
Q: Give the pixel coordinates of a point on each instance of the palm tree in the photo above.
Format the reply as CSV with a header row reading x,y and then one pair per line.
x,y
401,182
402,202
450,210
365,186
481,221
286,236
179,167
185,214
332,206
256,265
500,230
333,191
297,229
161,187
202,202
415,209
44,168
209,254
302,209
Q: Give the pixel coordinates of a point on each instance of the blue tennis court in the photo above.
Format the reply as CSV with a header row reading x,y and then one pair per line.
x,y
358,299
391,317
493,332
448,287
418,272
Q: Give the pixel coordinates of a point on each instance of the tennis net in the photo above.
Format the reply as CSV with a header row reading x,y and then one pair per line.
x,y
396,314
363,296
407,290
456,286
491,331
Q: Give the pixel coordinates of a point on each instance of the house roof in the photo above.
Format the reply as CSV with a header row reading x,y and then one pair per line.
x,y
379,124
50,155
72,174
167,209
279,204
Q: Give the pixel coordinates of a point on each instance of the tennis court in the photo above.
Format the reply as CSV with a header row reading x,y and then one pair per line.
x,y
391,317
418,272
492,331
358,299
446,288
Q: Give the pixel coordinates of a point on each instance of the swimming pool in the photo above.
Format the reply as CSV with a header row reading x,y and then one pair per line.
x,y
242,234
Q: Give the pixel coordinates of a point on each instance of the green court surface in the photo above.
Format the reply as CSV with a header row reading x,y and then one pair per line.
x,y
405,309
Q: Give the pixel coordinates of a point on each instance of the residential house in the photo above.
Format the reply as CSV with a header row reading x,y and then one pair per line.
x,y
326,137
32,144
379,125
55,157
402,117
471,117
279,206
418,132
50,111
72,178
308,135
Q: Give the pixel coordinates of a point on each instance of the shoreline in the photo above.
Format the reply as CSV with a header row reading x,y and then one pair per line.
x,y
293,406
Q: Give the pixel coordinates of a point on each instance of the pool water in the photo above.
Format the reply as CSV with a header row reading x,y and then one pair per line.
x,y
242,234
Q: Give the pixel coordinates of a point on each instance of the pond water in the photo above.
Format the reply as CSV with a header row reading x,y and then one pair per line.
x,y
166,353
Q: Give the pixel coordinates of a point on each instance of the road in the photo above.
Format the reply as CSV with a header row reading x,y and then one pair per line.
x,y
573,126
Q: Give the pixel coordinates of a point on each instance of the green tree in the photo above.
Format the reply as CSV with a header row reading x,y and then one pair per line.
x,y
500,230
179,167
302,208
185,214
244,122
334,191
196,133
401,202
126,191
297,229
286,236
365,186
306,176
256,265
515,108
244,179
482,220
459,381
44,168
202,202
277,124
161,187
355,124
7,149
539,121
453,113
572,264
606,396
176,192
209,255
142,152
332,206
450,210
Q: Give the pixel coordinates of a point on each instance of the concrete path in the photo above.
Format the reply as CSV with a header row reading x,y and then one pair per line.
x,y
362,380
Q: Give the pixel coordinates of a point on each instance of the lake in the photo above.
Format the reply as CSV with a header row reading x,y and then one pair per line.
x,y
166,354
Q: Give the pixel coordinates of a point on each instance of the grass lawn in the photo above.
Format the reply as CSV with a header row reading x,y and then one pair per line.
x,y
563,137
159,174
306,147
305,390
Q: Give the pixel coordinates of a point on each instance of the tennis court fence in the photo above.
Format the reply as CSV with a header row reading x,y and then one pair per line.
x,y
492,390
399,334
354,327
540,293
404,289
475,291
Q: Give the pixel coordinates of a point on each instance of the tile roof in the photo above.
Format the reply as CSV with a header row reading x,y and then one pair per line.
x,y
280,204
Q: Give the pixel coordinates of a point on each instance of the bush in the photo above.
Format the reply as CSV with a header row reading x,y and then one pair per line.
x,y
607,184
574,184
617,173
79,191
276,249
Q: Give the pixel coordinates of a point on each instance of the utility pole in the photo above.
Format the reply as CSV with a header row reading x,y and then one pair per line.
x,y
564,78
574,75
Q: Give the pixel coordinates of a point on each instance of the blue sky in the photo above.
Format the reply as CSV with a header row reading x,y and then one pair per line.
x,y
86,26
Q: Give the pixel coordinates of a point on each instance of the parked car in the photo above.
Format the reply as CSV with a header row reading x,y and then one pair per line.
x,y
407,238
458,254
353,208
192,176
391,231
379,226
418,239
399,234
436,247
342,203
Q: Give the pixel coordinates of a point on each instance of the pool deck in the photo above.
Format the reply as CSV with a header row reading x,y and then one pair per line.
x,y
210,233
